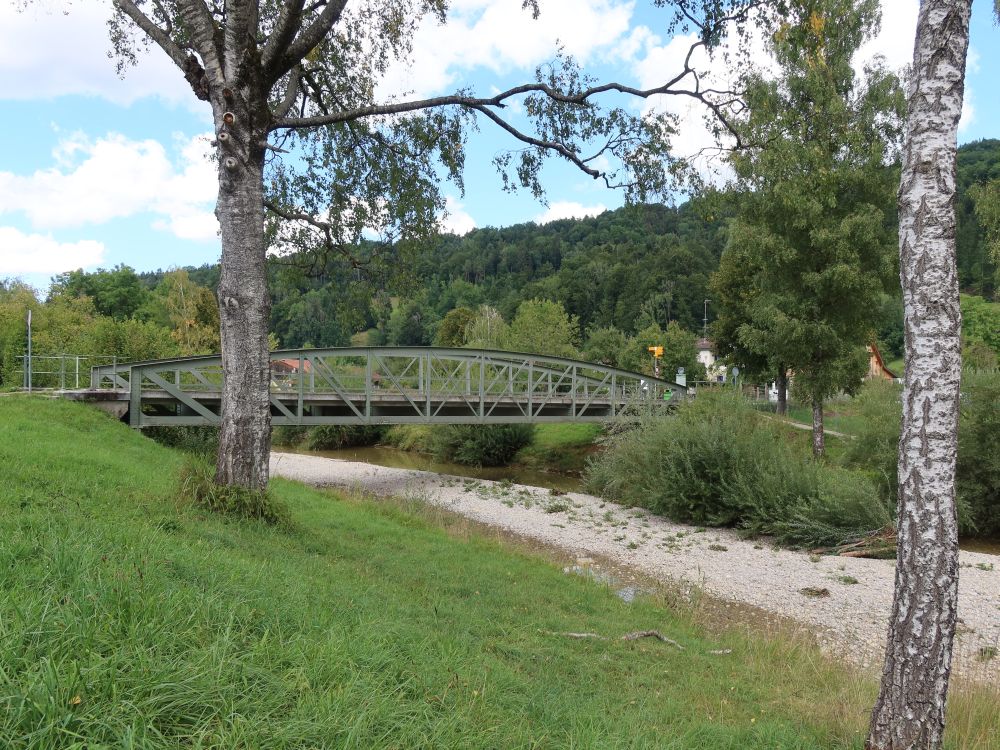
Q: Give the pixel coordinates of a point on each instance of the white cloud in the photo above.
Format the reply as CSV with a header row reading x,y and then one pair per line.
x,y
895,39
500,36
54,48
654,61
568,210
968,112
37,253
95,181
456,219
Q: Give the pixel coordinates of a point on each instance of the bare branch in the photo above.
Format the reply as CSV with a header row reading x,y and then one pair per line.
x,y
285,59
291,94
472,102
154,32
559,148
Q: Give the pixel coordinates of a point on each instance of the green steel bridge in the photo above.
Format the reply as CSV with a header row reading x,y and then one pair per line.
x,y
384,385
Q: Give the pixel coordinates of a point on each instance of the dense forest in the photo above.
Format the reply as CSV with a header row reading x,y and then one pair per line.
x,y
627,278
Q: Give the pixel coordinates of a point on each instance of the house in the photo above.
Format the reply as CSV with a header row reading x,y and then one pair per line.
x,y
876,366
706,355
289,366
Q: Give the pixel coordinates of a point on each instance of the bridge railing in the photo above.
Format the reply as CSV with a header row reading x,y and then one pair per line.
x,y
373,384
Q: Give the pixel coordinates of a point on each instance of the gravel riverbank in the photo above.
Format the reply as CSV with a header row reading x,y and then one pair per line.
x,y
844,601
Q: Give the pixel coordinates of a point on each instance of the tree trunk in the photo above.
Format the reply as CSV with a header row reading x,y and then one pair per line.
x,y
818,437
909,712
782,384
244,305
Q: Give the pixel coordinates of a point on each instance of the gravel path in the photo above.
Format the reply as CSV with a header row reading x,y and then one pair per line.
x,y
844,601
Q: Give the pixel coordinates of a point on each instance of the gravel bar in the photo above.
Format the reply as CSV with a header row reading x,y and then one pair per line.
x,y
844,601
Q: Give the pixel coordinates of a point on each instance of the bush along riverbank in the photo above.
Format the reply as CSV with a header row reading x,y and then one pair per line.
x,y
132,617
716,461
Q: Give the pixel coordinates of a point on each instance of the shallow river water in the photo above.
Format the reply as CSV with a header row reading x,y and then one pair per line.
x,y
397,459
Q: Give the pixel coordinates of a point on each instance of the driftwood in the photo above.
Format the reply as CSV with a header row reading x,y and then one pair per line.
x,y
880,545
627,637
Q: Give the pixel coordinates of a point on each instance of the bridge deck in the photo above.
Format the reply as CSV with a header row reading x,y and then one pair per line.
x,y
385,385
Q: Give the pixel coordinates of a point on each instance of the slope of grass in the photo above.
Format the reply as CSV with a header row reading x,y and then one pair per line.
x,y
129,621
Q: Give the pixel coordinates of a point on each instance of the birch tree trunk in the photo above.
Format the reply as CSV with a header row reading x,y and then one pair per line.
x,y
818,436
909,712
782,384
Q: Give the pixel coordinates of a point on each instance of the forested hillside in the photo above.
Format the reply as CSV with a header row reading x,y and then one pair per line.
x,y
624,279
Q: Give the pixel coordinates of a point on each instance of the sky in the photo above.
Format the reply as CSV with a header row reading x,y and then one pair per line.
x,y
99,170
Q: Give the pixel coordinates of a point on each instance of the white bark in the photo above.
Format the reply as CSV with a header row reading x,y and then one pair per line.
x,y
909,712
818,436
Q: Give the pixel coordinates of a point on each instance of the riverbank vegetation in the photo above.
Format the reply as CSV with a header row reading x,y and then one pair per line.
x,y
718,461
131,618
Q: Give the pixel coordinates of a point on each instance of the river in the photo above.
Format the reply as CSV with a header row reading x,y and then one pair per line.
x,y
397,459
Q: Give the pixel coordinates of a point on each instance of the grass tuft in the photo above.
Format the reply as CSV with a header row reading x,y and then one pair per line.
x,y
198,486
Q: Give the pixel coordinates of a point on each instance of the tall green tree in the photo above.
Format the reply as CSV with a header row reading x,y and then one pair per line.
x,y
544,327
284,76
117,292
813,223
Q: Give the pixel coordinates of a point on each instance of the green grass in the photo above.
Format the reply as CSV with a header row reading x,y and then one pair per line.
x,y
128,620
839,415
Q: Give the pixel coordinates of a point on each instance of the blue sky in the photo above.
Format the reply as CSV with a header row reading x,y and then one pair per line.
x,y
98,170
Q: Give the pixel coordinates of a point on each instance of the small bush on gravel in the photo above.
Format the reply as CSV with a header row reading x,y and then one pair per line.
x,y
480,445
717,462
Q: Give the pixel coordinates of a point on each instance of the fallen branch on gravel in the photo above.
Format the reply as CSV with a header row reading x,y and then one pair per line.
x,y
627,637
880,545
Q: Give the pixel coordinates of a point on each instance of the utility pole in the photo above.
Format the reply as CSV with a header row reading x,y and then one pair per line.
x,y
27,360
704,328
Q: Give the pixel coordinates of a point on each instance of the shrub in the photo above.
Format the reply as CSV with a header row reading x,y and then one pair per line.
x,y
198,487
409,437
875,447
716,462
201,441
288,435
334,436
874,450
480,445
327,437
978,454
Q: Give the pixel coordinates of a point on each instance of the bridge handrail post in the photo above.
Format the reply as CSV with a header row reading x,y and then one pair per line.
x,y
368,384
425,386
531,388
300,386
482,385
135,397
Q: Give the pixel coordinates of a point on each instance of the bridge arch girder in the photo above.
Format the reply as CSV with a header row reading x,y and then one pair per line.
x,y
392,385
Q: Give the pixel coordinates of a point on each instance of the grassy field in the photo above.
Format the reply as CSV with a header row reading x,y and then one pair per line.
x,y
130,620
